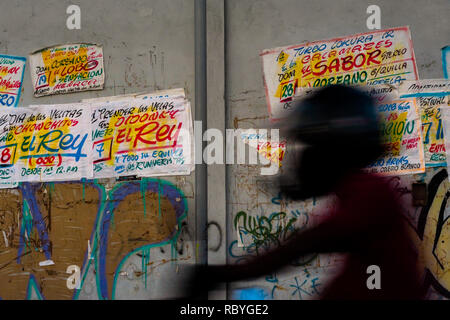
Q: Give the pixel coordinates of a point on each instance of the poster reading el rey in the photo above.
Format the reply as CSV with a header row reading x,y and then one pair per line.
x,y
142,137
11,78
383,57
67,68
400,127
45,143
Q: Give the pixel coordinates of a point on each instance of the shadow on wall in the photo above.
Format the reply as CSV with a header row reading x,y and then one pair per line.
x,y
75,223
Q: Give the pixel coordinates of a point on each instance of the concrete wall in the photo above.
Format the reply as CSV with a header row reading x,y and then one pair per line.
x,y
147,45
151,45
252,26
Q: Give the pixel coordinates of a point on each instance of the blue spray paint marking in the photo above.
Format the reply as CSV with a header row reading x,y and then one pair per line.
x,y
445,56
298,288
94,235
425,94
277,199
255,293
28,191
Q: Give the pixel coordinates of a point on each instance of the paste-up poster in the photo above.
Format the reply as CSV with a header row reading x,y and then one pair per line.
x,y
142,137
381,93
383,57
45,143
177,93
11,79
67,68
273,151
401,135
159,94
431,96
445,113
446,61
8,185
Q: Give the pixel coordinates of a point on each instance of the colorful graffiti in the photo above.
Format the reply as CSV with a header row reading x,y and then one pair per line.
x,y
258,233
48,227
433,231
430,227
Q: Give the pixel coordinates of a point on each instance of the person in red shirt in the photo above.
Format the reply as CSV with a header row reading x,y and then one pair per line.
x,y
338,130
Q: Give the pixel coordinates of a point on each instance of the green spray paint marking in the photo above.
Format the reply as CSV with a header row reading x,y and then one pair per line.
x,y
83,180
173,250
51,186
143,185
145,260
95,240
159,199
149,246
111,199
27,224
32,287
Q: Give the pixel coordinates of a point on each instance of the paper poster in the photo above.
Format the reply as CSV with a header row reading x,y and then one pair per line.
x,y
446,61
382,57
67,68
271,150
11,79
142,137
170,93
431,96
445,113
401,134
8,185
45,143
382,93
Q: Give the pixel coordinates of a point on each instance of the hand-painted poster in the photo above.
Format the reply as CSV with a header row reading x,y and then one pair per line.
x,y
431,96
67,68
11,79
381,93
45,143
8,185
142,137
159,94
372,58
273,151
445,114
400,129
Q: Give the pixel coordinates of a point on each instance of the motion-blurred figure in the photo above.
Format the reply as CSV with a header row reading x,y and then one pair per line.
x,y
337,129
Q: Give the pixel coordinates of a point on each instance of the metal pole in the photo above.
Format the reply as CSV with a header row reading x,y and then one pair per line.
x,y
201,199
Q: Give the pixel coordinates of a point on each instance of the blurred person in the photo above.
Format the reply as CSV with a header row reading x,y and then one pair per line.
x,y
335,133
